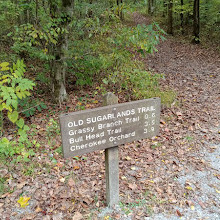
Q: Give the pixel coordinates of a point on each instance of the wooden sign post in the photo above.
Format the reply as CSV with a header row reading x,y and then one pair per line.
x,y
111,163
106,128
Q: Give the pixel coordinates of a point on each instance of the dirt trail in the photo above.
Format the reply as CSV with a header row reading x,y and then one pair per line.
x,y
194,73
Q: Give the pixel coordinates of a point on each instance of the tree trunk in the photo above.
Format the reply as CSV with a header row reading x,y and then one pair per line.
x,y
58,65
181,17
189,17
206,10
170,17
58,68
151,7
118,6
164,8
196,22
36,11
121,11
26,13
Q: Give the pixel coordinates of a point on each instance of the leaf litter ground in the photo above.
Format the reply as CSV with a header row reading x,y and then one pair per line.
x,y
172,176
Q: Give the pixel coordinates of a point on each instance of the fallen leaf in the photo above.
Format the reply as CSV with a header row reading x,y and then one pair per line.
x,y
202,204
178,113
173,201
192,207
189,187
20,185
127,158
87,200
191,128
58,216
47,217
38,209
178,213
132,186
151,181
76,167
71,182
23,201
62,180
166,130
162,122
59,164
30,216
189,203
77,216
4,195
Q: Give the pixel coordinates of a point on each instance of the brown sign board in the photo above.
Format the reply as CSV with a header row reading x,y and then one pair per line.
x,y
100,128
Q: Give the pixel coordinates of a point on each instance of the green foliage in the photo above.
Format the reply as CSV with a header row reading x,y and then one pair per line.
x,y
41,76
36,41
210,19
14,87
209,16
141,37
135,81
52,128
110,54
3,187
101,47
53,131
110,50
8,16
31,106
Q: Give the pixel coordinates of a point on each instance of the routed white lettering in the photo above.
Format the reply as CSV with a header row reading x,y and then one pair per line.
x,y
74,123
81,131
109,125
126,113
146,109
122,136
71,140
90,144
70,124
100,118
93,136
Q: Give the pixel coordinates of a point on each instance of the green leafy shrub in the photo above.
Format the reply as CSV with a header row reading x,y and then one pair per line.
x,y
141,37
8,17
31,106
14,87
36,41
53,128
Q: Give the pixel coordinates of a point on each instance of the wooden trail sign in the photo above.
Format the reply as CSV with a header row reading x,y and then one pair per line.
x,y
101,128
106,128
